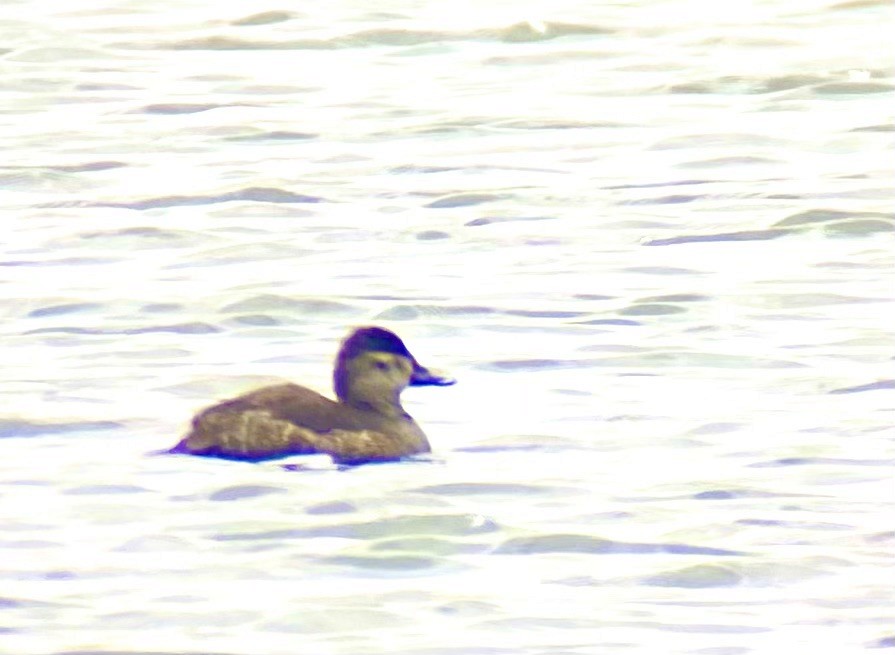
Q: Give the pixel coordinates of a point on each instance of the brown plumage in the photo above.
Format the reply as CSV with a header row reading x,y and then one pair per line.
x,y
366,424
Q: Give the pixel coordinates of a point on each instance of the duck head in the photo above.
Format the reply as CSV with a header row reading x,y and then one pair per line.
x,y
374,366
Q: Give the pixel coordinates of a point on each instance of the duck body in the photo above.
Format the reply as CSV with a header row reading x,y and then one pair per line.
x,y
366,424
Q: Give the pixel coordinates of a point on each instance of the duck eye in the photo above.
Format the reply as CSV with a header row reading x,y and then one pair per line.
x,y
382,366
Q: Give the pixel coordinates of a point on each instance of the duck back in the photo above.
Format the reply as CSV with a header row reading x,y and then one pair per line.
x,y
290,419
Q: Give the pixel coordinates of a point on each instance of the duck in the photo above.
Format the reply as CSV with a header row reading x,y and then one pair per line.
x,y
366,423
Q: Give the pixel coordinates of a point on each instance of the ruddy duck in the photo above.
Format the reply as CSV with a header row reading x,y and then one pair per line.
x,y
366,424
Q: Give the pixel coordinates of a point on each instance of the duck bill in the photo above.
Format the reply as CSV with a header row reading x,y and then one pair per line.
x,y
422,377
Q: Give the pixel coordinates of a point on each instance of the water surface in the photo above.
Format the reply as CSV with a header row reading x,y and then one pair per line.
x,y
653,241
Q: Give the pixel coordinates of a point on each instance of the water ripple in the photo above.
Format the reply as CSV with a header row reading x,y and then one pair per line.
x,y
576,543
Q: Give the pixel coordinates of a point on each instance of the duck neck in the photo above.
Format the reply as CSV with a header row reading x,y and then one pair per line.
x,y
386,407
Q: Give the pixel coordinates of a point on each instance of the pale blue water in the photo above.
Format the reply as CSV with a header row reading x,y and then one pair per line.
x,y
653,241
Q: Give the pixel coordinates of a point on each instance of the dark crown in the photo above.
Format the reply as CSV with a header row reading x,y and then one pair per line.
x,y
373,339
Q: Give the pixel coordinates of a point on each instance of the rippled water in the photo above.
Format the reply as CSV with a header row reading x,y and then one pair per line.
x,y
653,241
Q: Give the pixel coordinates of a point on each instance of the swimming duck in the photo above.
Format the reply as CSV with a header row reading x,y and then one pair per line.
x,y
366,424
